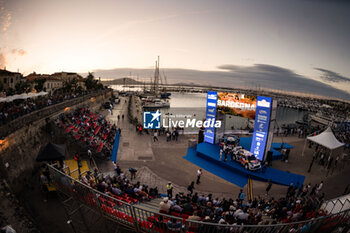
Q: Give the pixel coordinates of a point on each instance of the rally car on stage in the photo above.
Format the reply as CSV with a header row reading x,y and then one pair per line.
x,y
231,141
246,158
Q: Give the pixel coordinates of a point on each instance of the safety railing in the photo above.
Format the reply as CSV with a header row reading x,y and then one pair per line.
x,y
337,205
139,219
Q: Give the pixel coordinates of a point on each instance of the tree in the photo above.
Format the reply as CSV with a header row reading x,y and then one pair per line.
x,y
90,82
39,84
70,85
22,87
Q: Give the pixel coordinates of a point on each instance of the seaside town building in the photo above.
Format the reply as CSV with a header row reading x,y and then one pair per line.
x,y
9,79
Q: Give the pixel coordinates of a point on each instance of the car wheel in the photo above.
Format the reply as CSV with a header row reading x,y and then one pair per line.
x,y
246,166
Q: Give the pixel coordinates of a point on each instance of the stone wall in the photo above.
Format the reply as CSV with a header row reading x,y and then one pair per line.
x,y
19,149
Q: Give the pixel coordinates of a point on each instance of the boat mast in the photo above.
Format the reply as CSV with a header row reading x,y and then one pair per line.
x,y
156,78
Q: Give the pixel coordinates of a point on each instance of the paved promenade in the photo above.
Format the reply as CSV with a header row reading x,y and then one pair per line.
x,y
160,162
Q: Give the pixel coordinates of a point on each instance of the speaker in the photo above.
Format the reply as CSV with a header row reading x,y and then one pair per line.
x,y
269,157
200,136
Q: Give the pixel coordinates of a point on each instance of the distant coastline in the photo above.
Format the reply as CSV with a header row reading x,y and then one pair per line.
x,y
266,91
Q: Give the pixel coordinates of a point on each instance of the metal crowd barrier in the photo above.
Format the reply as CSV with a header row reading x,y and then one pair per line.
x,y
337,205
138,219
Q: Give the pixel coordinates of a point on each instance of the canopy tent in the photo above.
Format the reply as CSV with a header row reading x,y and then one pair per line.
x,y
326,139
22,96
52,152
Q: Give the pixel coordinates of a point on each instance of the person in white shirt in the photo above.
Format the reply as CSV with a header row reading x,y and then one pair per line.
x,y
155,136
199,173
319,188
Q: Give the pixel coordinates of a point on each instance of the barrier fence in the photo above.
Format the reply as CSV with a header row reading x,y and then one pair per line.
x,y
124,211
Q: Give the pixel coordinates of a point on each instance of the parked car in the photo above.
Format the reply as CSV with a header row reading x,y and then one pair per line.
x,y
117,100
247,159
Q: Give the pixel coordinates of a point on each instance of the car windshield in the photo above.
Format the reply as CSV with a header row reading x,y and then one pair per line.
x,y
250,158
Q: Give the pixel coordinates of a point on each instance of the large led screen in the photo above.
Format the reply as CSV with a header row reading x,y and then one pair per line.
x,y
237,104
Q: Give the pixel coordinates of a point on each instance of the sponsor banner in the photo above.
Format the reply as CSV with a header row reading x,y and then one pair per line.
x,y
209,132
261,126
236,104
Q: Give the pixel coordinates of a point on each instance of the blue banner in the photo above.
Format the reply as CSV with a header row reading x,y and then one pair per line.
x,y
115,147
209,133
261,126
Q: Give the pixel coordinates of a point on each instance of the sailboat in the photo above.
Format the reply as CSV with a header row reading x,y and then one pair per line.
x,y
154,101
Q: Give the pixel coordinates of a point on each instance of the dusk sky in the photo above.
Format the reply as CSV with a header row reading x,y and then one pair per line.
x,y
309,37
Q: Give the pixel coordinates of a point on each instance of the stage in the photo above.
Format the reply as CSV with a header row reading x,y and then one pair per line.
x,y
207,157
246,142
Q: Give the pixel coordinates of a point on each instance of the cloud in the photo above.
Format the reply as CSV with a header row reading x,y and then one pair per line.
x,y
331,76
20,52
233,76
258,69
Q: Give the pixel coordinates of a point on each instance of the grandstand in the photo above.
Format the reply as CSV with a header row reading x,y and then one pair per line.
x,y
142,214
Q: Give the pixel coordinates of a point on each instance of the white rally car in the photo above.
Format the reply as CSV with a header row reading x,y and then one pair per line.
x,y
247,159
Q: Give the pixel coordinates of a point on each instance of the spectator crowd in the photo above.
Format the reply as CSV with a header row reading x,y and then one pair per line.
x,y
91,130
17,108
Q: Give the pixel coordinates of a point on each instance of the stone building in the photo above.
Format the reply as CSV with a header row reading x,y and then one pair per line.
x,y
9,79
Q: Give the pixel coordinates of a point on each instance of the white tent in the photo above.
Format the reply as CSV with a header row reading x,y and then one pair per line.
x,y
326,139
22,96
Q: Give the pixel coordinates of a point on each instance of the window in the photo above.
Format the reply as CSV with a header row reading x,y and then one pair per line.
x,y
5,80
11,80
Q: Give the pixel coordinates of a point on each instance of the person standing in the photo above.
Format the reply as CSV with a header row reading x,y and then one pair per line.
x,y
268,187
241,196
176,134
225,152
319,187
199,173
132,172
168,136
312,161
90,156
191,187
336,161
169,189
115,166
140,129
155,136
221,152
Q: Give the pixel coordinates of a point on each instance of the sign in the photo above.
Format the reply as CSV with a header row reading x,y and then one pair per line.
x,y
209,132
151,120
261,126
236,104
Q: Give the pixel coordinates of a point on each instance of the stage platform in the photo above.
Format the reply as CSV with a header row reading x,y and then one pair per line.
x,y
207,157
246,143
